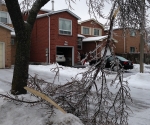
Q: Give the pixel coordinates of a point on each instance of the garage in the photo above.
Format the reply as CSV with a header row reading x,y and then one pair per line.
x,y
1,56
65,55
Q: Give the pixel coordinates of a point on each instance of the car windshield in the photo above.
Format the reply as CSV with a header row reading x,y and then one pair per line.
x,y
121,58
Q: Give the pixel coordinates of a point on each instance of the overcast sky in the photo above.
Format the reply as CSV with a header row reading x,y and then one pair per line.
x,y
80,9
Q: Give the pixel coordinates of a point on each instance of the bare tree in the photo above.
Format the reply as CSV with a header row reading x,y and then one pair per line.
x,y
23,33
88,98
129,15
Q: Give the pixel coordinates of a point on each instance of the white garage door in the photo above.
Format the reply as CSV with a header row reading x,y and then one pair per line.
x,y
1,55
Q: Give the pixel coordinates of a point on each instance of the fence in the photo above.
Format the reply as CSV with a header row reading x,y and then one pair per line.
x,y
135,57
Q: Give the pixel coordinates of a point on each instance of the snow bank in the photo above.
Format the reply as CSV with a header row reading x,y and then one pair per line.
x,y
139,80
64,119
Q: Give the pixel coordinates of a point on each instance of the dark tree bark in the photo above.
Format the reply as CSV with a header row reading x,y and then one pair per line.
x,y
23,33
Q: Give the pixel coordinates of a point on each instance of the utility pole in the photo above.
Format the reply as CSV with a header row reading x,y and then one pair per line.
x,y
142,38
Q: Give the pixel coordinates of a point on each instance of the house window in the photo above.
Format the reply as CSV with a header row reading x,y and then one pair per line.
x,y
65,26
132,32
86,31
132,49
79,43
96,32
12,41
3,17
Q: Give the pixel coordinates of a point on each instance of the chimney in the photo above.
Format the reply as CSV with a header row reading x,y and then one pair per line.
x,y
52,5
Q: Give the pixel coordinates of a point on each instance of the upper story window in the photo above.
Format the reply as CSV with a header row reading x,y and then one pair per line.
x,y
97,32
132,32
132,49
86,31
65,26
4,17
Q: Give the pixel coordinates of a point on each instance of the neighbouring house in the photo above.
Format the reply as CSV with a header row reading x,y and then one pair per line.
x,y
91,35
128,42
7,39
55,32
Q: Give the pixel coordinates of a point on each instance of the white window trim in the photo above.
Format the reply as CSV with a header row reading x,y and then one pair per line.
x,y
65,30
8,17
85,27
100,32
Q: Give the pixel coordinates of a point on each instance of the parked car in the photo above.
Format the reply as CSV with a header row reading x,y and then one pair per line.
x,y
60,57
124,63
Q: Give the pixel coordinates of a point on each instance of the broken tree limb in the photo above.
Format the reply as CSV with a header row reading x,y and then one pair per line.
x,y
43,96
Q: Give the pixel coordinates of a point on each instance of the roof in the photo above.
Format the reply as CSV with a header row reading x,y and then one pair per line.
x,y
117,28
79,35
42,9
114,28
97,38
93,39
59,11
6,26
91,20
46,10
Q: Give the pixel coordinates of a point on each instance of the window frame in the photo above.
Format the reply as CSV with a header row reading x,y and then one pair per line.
x,y
132,31
131,48
12,43
82,27
100,31
2,17
88,30
79,44
62,29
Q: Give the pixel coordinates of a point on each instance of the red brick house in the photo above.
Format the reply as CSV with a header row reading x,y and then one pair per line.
x,y
7,39
128,43
55,31
91,34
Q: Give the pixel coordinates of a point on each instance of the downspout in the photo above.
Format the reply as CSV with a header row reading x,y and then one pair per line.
x,y
96,49
124,40
48,39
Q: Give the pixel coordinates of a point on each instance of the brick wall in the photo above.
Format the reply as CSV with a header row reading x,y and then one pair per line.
x,y
3,8
123,45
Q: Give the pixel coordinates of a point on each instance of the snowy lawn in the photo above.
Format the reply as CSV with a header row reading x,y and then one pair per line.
x,y
11,114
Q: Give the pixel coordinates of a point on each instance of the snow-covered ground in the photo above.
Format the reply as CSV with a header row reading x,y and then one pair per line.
x,y
11,114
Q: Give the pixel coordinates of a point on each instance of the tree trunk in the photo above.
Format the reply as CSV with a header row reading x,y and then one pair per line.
x,y
20,75
23,32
